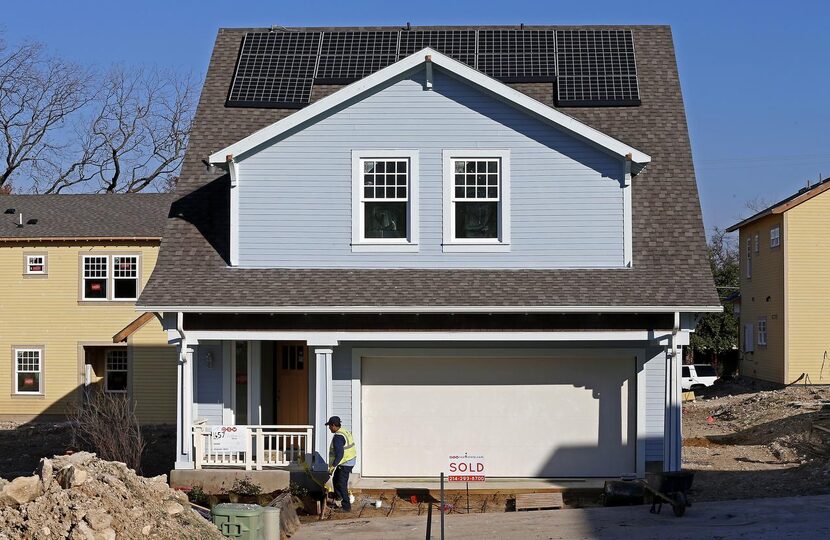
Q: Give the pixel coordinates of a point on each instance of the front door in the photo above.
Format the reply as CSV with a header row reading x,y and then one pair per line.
x,y
292,384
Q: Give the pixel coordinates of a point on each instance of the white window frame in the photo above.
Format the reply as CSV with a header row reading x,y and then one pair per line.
x,y
107,370
749,343
480,245
757,244
110,277
39,351
775,239
29,264
762,331
749,258
359,242
105,278
137,277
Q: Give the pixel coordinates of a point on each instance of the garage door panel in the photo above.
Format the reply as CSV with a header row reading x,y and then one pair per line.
x,y
527,416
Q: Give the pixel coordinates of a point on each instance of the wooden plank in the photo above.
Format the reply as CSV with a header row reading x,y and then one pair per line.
x,y
688,396
538,501
133,327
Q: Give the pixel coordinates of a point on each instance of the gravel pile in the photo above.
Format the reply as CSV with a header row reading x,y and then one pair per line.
x,y
81,497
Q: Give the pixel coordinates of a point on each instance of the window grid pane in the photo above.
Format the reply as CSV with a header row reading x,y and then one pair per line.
x,y
385,180
35,264
476,180
28,361
95,267
125,267
116,360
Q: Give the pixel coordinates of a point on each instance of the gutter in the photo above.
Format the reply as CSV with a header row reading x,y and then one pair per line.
x,y
436,309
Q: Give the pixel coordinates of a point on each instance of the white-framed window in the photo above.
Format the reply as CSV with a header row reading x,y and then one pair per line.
x,y
36,265
757,244
110,277
476,200
124,277
96,277
385,200
748,257
775,237
762,331
116,371
28,371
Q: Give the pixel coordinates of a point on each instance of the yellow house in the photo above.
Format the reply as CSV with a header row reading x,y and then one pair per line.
x,y
72,267
785,289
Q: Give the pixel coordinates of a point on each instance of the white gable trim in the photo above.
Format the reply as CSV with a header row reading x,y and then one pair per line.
x,y
458,69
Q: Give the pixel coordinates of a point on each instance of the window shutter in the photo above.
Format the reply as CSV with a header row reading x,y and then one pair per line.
x,y
749,343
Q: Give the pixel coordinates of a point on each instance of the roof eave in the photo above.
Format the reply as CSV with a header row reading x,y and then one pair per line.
x,y
459,69
431,309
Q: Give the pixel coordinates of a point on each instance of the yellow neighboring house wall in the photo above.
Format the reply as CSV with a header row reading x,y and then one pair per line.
x,y
807,248
46,312
762,299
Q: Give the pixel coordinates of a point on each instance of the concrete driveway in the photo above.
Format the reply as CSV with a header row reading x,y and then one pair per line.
x,y
753,519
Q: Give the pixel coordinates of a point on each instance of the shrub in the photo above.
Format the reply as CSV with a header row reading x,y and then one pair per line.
x,y
107,424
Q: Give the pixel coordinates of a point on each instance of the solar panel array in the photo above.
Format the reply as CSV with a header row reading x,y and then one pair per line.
x,y
596,67
518,55
592,67
275,69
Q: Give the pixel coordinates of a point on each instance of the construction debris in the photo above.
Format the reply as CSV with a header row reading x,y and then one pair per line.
x,y
81,497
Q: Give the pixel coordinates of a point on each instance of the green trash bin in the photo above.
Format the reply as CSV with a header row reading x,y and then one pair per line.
x,y
242,521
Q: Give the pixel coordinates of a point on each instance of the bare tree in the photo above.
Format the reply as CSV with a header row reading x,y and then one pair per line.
x,y
37,95
135,136
107,424
68,128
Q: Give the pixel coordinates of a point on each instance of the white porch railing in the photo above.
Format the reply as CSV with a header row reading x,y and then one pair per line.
x,y
265,446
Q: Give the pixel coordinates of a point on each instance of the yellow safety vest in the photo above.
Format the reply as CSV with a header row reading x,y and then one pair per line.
x,y
349,450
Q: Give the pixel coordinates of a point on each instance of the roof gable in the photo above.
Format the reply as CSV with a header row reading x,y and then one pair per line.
x,y
803,195
428,58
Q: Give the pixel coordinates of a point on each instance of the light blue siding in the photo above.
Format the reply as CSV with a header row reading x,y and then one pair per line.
x,y
295,195
208,384
655,368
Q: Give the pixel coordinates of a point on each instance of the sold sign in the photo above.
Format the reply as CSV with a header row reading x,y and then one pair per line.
x,y
466,468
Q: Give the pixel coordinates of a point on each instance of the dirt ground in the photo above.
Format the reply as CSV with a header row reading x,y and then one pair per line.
x,y
744,441
23,444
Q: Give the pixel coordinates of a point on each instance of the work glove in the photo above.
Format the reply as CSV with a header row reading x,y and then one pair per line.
x,y
331,471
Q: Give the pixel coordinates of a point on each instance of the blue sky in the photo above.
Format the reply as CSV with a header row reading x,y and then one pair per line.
x,y
755,74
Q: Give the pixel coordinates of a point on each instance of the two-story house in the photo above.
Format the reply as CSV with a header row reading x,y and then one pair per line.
x,y
785,289
72,268
465,239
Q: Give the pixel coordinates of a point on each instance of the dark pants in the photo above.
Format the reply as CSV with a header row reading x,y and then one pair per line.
x,y
341,485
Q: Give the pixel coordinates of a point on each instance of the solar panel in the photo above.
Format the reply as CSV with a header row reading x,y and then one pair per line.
x,y
275,69
457,44
518,55
596,67
351,55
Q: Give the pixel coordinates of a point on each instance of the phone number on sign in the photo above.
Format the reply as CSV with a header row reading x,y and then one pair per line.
x,y
465,479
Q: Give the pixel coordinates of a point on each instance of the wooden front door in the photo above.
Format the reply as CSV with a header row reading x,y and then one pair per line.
x,y
292,384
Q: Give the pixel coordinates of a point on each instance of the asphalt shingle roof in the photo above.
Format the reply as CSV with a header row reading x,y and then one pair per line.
x,y
103,215
670,261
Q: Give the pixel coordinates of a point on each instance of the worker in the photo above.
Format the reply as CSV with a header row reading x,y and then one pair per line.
x,y
342,458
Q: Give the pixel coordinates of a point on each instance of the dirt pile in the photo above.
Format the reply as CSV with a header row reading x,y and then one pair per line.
x,y
81,497
743,441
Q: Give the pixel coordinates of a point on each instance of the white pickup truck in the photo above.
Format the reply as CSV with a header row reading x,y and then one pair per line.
x,y
698,376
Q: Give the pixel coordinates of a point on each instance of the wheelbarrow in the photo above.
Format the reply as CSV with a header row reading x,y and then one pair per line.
x,y
674,490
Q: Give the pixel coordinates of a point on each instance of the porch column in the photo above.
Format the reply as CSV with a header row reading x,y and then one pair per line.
x,y
672,435
322,404
184,408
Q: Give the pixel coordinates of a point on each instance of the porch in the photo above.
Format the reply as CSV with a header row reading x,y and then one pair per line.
x,y
274,389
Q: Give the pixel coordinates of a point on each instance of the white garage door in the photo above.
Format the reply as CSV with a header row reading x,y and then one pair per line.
x,y
564,416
